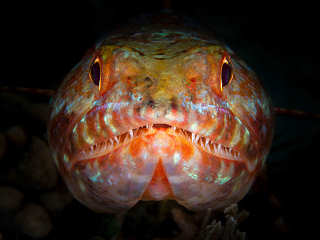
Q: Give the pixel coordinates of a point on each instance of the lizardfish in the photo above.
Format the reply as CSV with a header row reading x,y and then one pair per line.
x,y
160,111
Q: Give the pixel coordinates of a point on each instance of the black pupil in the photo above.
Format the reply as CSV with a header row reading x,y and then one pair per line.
x,y
95,73
225,74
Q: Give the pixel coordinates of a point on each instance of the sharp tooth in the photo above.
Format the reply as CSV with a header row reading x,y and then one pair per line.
x,y
201,143
208,148
174,128
111,141
234,156
131,133
219,148
116,139
215,147
125,137
192,137
207,141
183,133
197,138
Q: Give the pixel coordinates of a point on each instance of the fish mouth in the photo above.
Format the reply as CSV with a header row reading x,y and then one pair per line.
x,y
204,143
158,161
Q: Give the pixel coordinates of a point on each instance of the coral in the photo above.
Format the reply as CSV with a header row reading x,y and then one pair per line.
x,y
17,135
206,225
227,228
38,169
10,199
56,200
34,221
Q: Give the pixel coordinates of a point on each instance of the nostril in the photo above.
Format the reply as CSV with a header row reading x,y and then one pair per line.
x,y
147,79
174,105
151,103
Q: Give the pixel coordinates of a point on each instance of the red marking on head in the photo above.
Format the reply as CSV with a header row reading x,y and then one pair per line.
x,y
136,147
186,149
159,186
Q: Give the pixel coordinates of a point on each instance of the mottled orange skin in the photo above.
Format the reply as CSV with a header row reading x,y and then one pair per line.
x,y
207,142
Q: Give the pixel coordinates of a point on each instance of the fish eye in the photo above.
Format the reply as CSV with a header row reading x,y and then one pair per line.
x,y
95,72
226,72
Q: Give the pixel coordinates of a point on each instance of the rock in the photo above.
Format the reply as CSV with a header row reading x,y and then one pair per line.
x,y
38,169
56,200
17,135
11,176
10,199
34,221
39,111
3,145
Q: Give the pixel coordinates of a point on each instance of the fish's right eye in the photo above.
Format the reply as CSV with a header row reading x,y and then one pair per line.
x,y
226,73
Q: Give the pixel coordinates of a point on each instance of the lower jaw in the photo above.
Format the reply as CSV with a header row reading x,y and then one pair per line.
x,y
158,167
184,171
188,182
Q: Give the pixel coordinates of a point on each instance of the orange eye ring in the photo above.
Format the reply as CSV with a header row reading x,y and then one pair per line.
x,y
226,72
95,72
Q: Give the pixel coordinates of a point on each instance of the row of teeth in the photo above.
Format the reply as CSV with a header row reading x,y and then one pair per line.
x,y
111,142
205,143
211,147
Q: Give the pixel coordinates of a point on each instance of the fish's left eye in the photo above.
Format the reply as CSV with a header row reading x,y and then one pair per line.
x,y
226,72
95,72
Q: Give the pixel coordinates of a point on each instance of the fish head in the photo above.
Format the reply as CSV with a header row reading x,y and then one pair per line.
x,y
183,121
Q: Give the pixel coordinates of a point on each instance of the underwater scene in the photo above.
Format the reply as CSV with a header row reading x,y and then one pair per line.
x,y
157,121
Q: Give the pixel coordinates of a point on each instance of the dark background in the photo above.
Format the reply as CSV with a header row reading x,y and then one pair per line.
x,y
43,41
